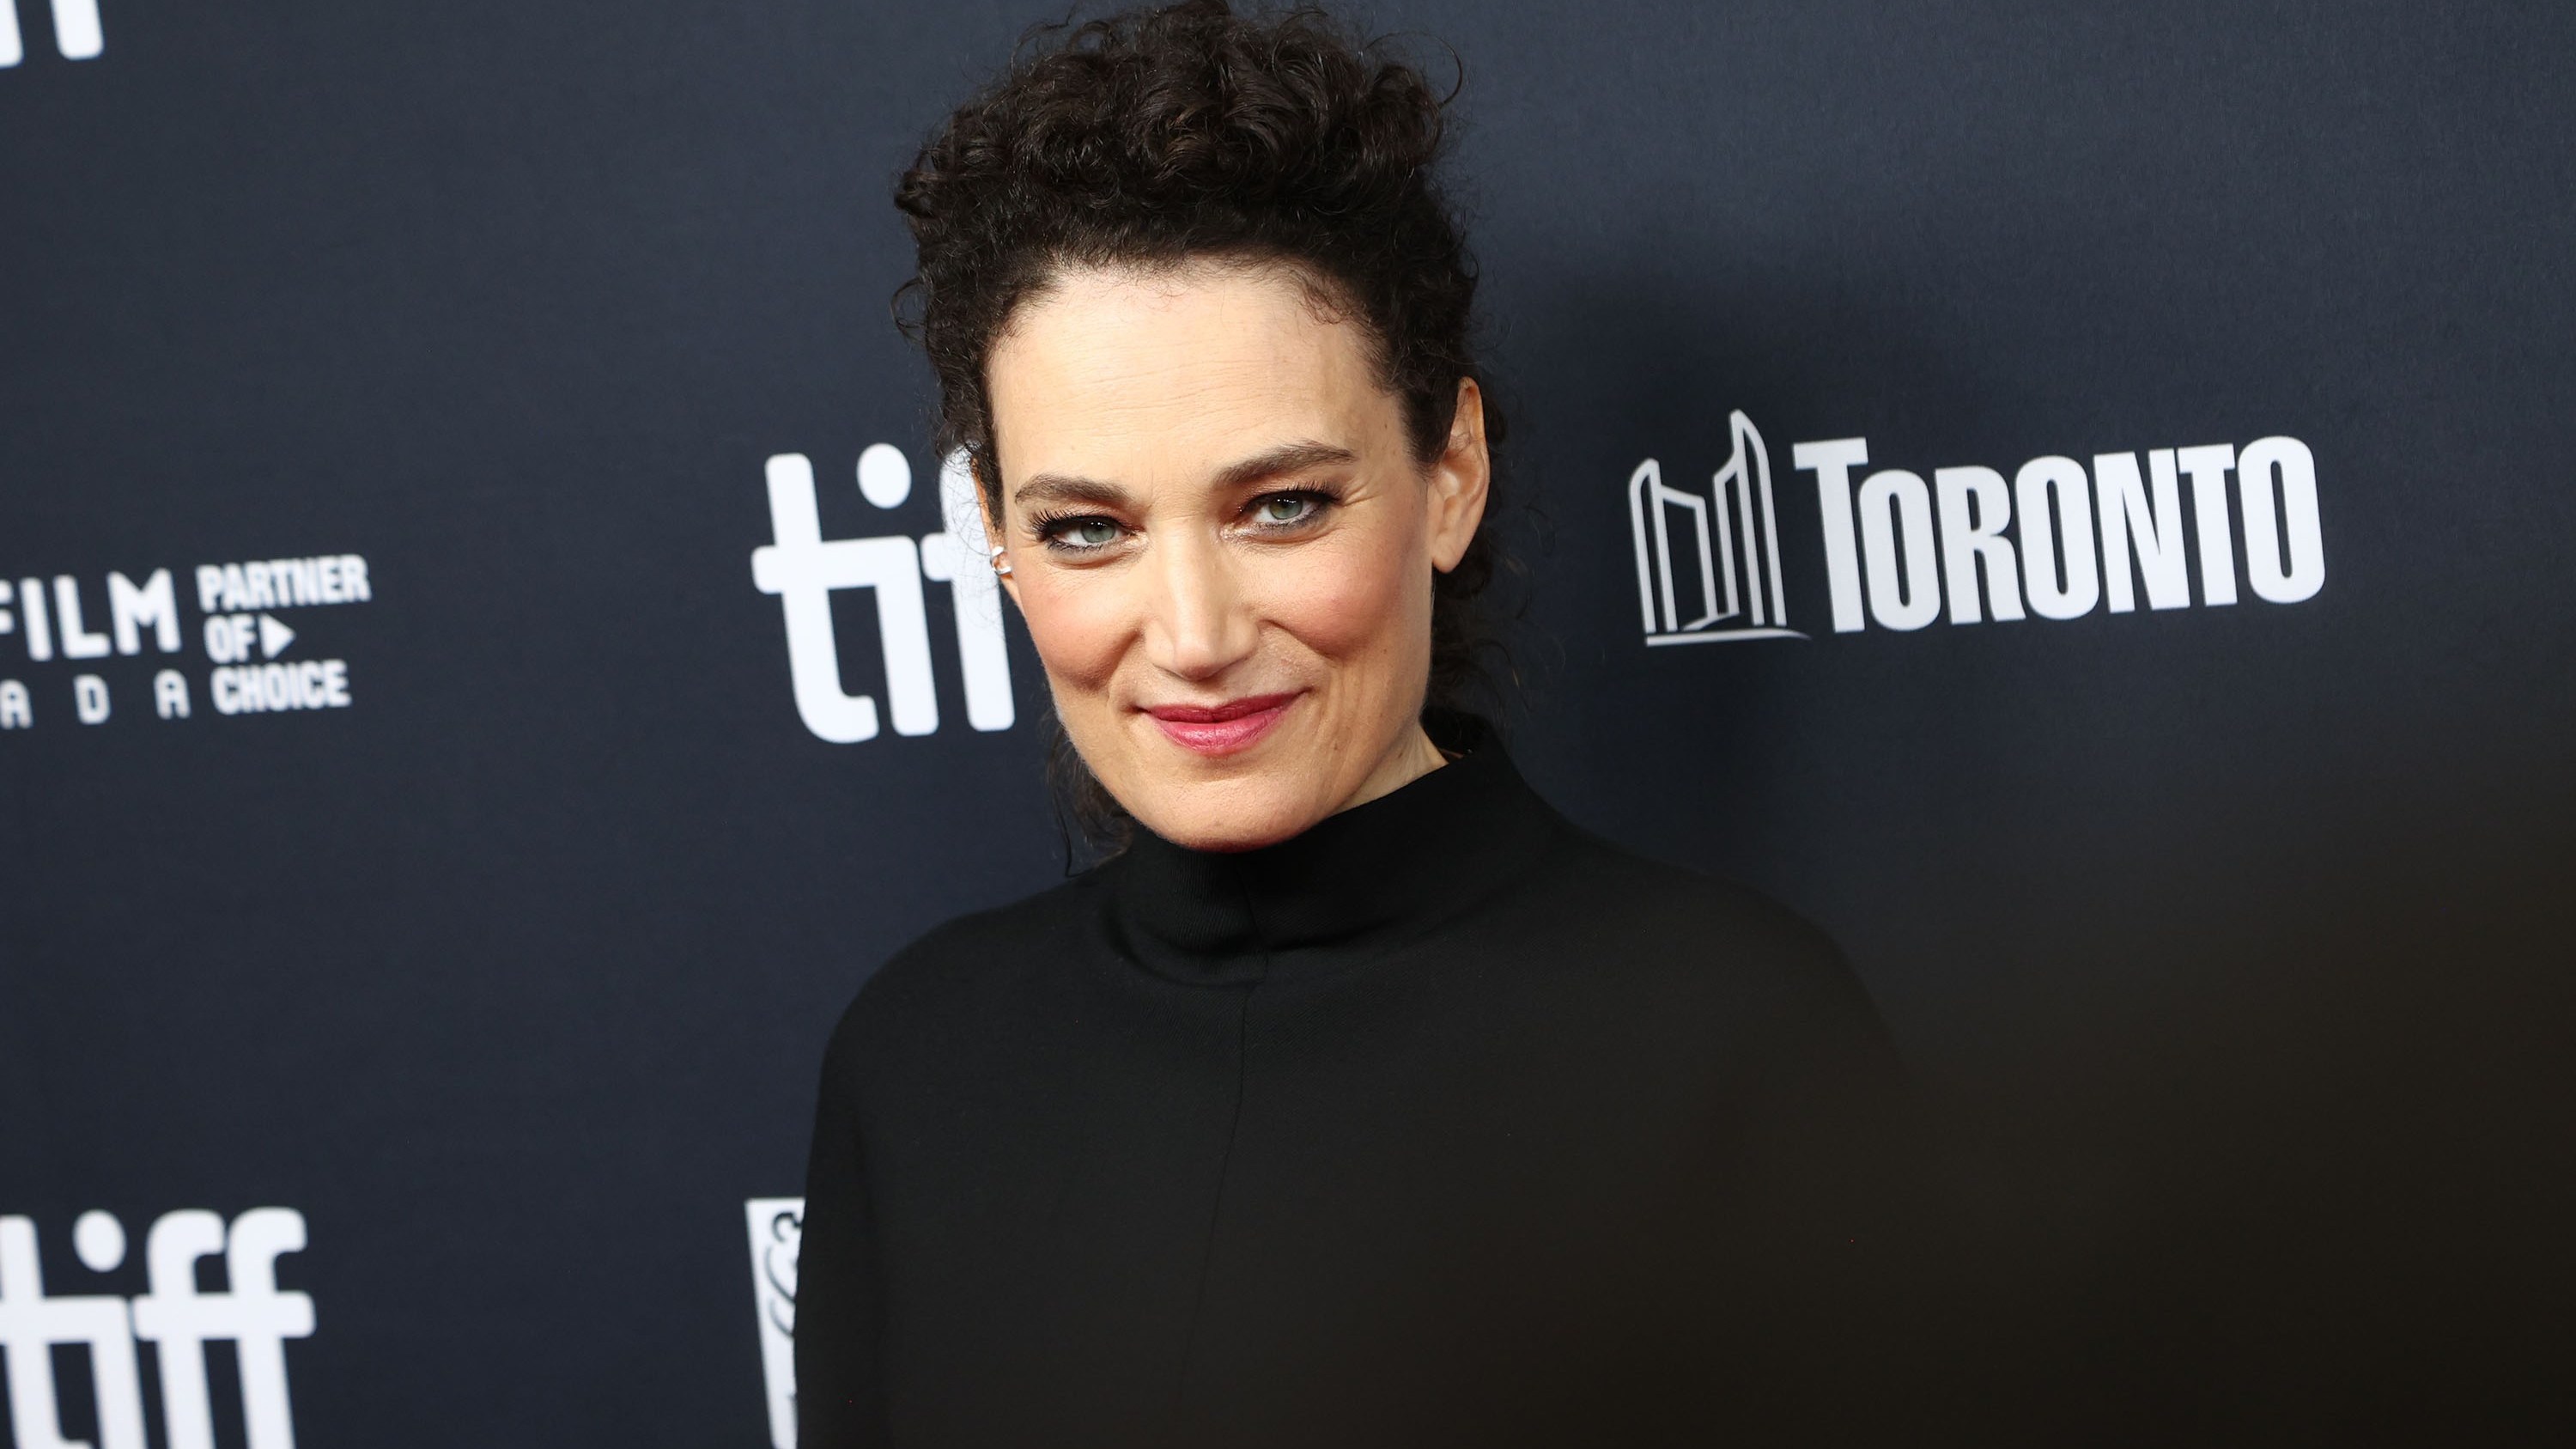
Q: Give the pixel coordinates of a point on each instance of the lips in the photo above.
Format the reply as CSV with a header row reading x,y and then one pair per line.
x,y
1221,729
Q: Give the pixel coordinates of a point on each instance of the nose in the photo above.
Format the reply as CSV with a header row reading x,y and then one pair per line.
x,y
1199,622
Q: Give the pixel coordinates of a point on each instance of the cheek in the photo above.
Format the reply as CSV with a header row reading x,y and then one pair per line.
x,y
1080,628
1354,598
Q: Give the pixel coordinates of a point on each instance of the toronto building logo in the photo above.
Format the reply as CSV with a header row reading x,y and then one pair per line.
x,y
2058,540
804,570
176,1317
1738,573
77,35
777,1234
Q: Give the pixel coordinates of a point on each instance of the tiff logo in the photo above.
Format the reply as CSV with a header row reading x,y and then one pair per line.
x,y
76,31
177,1319
804,570
1747,530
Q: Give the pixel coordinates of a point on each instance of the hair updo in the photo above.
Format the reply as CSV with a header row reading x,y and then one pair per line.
x,y
1161,135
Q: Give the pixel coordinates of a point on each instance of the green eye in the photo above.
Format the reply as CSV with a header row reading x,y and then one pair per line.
x,y
1285,508
1091,534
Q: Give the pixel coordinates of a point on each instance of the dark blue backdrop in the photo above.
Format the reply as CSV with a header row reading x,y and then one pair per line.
x,y
2228,941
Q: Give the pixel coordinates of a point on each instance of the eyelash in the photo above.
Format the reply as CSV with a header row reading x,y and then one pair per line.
x,y
1324,502
1051,528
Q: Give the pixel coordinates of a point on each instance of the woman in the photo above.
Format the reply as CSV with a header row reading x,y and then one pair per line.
x,y
1360,1098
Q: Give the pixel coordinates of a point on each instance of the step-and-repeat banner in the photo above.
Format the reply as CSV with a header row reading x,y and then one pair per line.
x,y
2075,498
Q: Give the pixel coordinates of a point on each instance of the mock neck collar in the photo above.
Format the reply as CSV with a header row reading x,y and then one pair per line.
x,y
1353,886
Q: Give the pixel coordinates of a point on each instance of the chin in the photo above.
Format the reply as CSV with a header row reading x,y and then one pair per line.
x,y
1232,816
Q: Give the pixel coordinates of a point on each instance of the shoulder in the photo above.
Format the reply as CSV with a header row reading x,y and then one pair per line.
x,y
1641,895
1689,937
956,975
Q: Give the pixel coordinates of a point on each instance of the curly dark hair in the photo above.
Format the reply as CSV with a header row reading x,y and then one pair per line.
x,y
1185,132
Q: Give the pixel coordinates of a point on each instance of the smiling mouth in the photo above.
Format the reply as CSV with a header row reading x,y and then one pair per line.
x,y
1220,729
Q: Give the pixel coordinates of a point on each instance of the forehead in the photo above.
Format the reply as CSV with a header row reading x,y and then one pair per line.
x,y
1130,376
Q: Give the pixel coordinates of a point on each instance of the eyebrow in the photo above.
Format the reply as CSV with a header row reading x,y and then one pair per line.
x,y
1260,467
1059,488
1287,458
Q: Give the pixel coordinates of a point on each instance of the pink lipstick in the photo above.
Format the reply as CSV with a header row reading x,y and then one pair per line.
x,y
1221,729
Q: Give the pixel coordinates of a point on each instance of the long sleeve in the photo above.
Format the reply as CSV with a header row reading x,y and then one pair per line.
x,y
839,1387
1443,1123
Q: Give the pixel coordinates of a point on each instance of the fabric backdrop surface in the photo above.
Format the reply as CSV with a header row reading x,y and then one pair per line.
x,y
484,674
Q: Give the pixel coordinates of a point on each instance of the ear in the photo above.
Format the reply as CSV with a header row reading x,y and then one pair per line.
x,y
1460,478
993,534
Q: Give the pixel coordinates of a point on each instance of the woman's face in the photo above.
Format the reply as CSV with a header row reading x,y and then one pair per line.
x,y
1223,545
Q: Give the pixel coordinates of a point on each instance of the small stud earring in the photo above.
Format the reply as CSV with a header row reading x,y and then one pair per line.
x,y
1001,561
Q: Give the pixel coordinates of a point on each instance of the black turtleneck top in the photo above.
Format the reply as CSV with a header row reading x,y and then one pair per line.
x,y
1442,1123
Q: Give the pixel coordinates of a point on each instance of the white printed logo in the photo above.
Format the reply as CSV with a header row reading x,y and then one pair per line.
x,y
178,1320
777,1233
1742,533
1899,551
804,571
241,633
76,31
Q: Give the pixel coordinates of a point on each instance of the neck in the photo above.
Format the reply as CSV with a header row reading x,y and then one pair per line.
x,y
1354,885
1411,757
